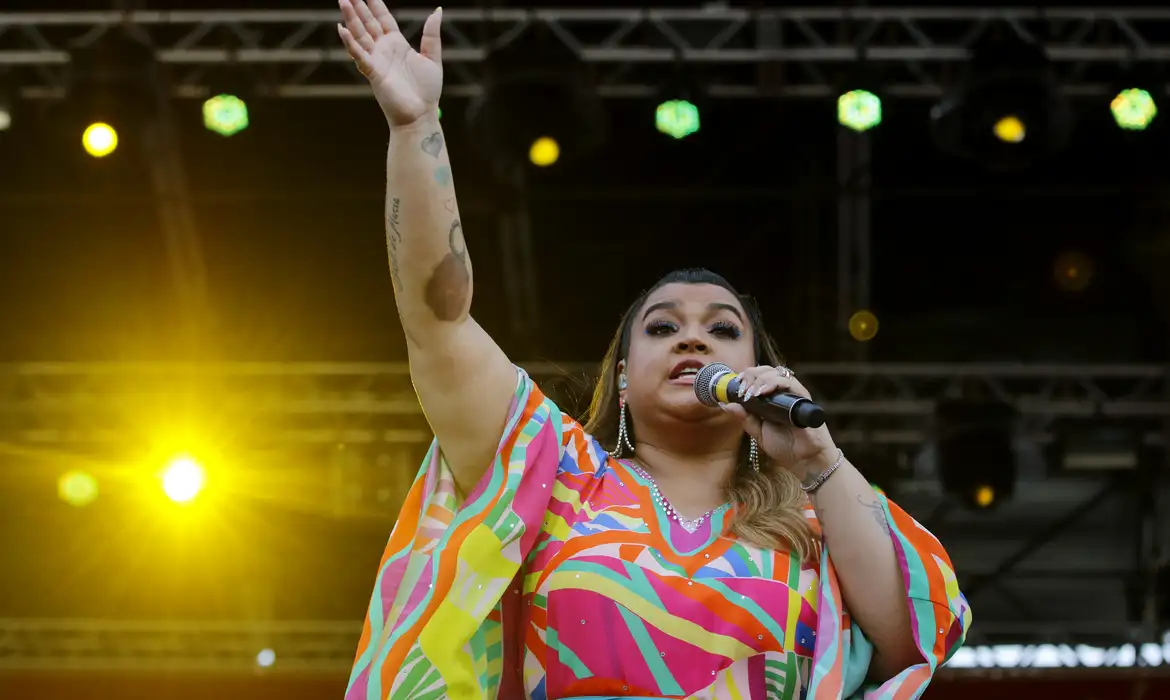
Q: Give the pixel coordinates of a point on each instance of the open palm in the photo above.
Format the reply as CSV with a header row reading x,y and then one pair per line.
x,y
406,83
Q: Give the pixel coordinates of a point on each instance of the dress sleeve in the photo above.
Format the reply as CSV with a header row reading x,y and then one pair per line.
x,y
939,617
435,624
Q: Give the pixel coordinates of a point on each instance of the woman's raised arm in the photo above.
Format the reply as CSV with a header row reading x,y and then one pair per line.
x,y
464,381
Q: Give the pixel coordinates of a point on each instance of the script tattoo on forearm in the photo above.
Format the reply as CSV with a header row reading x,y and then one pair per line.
x,y
875,511
393,238
449,288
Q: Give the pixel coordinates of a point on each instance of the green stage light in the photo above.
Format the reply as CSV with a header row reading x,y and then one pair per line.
x,y
225,115
1133,109
859,110
677,118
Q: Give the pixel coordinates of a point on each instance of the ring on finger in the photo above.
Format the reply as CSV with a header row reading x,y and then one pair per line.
x,y
785,372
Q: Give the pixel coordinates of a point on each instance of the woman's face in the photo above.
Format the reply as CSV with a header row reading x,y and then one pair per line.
x,y
679,329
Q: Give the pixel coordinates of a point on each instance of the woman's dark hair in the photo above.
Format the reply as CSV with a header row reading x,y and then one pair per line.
x,y
769,504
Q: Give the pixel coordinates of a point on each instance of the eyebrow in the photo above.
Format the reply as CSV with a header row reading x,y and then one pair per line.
x,y
713,306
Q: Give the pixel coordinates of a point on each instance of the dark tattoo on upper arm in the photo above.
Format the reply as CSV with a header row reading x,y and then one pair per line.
x,y
433,144
448,290
393,238
875,511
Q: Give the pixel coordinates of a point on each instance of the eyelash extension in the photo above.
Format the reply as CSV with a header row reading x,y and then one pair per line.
x,y
726,328
659,327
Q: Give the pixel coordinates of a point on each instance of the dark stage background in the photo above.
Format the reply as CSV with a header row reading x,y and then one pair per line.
x,y
289,221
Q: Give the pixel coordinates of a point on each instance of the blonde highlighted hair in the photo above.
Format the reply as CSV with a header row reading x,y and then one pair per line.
x,y
769,505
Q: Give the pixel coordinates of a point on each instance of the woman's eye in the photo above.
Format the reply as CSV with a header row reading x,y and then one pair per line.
x,y
725,329
660,328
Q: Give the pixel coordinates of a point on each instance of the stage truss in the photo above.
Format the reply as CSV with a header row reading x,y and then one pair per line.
x,y
297,53
1024,566
332,403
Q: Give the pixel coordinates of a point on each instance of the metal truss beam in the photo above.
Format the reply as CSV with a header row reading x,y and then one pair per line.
x,y
163,646
328,403
913,49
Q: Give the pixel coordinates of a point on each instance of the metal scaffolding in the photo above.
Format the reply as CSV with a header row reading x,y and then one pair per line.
x,y
176,646
355,403
1037,560
298,55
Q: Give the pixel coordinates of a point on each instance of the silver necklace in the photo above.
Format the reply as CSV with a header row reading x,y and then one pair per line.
x,y
688,524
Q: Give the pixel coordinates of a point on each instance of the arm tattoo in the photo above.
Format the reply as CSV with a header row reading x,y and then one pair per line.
x,y
433,144
443,175
875,511
449,288
393,238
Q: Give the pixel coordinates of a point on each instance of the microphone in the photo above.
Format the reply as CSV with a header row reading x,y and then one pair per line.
x,y
716,384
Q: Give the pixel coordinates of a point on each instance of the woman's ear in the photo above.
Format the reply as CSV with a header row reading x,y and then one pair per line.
x,y
622,382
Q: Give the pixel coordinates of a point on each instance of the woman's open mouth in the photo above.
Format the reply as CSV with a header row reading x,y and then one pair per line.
x,y
684,372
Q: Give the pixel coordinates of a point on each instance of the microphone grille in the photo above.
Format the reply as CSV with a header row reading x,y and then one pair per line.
x,y
705,379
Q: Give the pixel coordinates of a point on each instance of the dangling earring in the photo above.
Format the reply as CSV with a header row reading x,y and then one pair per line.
x,y
623,437
623,440
754,454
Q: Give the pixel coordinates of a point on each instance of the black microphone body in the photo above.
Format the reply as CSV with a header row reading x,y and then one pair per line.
x,y
717,383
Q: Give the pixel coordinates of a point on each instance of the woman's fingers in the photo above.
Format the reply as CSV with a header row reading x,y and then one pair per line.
x,y
356,51
385,19
373,27
355,27
432,42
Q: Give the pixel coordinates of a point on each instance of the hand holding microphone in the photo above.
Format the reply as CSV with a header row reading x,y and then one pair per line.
x,y
716,383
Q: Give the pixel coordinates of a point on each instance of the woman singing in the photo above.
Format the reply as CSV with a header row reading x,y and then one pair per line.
x,y
664,549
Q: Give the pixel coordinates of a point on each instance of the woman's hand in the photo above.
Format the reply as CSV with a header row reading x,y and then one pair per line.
x,y
805,452
406,83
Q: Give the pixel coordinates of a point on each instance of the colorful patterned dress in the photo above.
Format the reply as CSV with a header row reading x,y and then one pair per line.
x,y
559,577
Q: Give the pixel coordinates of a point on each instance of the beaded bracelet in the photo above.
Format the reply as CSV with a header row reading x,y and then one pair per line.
x,y
825,474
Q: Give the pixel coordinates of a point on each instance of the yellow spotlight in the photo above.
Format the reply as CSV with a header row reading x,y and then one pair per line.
x,y
544,151
1010,129
183,480
863,326
984,496
99,140
77,488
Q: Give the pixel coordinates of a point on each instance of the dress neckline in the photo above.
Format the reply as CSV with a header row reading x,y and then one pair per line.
x,y
691,525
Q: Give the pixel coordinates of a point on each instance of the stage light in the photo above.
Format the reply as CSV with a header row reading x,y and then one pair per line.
x,y
266,658
859,110
975,449
1133,109
544,151
539,103
5,110
77,488
225,115
183,479
1009,129
677,118
99,140
863,326
1073,271
1009,110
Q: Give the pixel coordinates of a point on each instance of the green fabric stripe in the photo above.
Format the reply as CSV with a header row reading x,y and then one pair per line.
x,y
667,685
566,655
